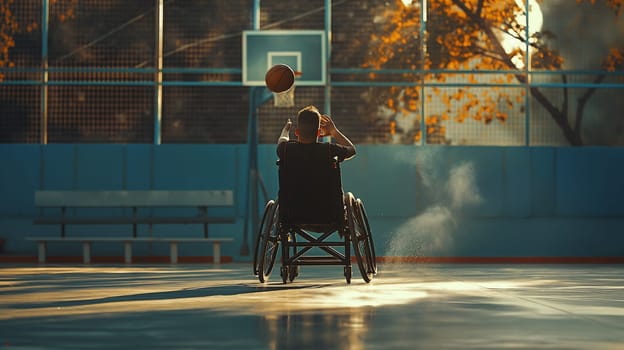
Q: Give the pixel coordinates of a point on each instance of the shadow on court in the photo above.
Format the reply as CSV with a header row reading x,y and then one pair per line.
x,y
406,307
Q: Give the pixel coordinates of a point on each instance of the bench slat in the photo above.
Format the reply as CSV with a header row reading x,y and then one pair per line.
x,y
132,220
128,239
132,199
86,245
147,198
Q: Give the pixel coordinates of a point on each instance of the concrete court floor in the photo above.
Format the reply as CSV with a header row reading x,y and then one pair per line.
x,y
408,306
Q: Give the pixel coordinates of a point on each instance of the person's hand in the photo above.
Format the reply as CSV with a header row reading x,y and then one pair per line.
x,y
285,135
328,128
287,126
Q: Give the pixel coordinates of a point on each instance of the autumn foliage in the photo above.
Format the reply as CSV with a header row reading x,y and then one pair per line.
x,y
10,25
463,39
460,56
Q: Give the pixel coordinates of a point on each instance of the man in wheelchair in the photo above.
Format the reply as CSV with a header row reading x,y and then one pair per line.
x,y
310,188
311,205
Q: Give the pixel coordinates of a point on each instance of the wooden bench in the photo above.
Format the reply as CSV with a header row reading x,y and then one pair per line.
x,y
86,245
138,202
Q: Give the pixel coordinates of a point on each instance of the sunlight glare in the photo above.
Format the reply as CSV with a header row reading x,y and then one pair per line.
x,y
536,20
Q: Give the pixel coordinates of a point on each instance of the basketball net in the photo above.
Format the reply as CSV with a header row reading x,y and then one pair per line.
x,y
284,98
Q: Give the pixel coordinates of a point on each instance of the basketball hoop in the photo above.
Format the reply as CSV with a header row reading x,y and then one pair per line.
x,y
284,98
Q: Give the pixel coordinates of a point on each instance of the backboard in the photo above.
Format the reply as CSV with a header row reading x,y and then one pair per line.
x,y
302,50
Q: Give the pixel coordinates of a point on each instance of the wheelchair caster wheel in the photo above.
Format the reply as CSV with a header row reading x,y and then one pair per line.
x,y
284,273
347,274
293,272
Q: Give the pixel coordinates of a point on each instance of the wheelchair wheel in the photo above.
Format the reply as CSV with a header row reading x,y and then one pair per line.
x,y
284,270
293,272
270,242
347,274
370,245
359,239
288,271
259,237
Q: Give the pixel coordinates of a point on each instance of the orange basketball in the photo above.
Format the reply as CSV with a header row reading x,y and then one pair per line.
x,y
279,78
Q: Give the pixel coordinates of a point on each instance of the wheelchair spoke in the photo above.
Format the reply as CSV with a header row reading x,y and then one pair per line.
x,y
274,236
359,239
269,244
260,237
367,236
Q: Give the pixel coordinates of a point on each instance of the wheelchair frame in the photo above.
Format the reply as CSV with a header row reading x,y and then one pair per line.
x,y
297,242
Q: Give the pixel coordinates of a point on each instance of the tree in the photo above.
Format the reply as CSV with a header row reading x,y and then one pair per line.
x,y
470,35
8,28
121,34
11,26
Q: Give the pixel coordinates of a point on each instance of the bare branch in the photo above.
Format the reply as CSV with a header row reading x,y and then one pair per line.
x,y
479,8
582,101
564,105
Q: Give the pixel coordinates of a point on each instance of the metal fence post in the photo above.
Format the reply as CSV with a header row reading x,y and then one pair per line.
x,y
328,35
44,71
423,67
527,72
159,75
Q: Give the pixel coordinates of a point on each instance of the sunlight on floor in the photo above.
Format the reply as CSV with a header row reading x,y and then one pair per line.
x,y
435,306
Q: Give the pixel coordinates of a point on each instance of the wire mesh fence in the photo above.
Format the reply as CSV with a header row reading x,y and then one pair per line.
x,y
86,71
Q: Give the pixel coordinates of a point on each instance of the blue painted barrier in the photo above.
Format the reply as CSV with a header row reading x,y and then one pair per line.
x,y
421,201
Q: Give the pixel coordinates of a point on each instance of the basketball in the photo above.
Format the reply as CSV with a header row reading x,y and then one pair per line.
x,y
279,78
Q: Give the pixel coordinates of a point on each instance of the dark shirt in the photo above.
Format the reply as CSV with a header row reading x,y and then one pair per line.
x,y
340,151
310,185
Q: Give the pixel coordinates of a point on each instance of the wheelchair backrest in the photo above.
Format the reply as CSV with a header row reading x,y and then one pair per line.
x,y
310,186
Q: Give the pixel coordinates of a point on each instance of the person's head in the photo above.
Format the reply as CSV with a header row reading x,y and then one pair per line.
x,y
308,124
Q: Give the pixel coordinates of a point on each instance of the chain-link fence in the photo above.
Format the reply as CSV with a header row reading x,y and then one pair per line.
x,y
87,71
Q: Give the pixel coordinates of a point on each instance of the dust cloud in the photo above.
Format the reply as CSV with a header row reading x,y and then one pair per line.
x,y
452,190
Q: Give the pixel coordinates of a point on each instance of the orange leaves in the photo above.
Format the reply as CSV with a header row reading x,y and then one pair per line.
x,y
66,9
432,125
547,58
481,104
463,38
32,27
417,136
432,120
390,104
8,28
392,127
446,99
459,94
8,24
615,59
398,25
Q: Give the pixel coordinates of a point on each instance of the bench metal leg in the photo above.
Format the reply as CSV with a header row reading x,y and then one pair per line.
x,y
86,252
174,252
128,252
216,252
41,248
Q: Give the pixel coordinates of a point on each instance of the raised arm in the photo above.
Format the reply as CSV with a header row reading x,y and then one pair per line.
x,y
285,135
328,128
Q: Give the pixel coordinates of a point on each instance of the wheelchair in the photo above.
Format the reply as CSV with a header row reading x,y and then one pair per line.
x,y
299,239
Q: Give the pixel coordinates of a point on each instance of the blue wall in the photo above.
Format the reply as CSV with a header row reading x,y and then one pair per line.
x,y
421,201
